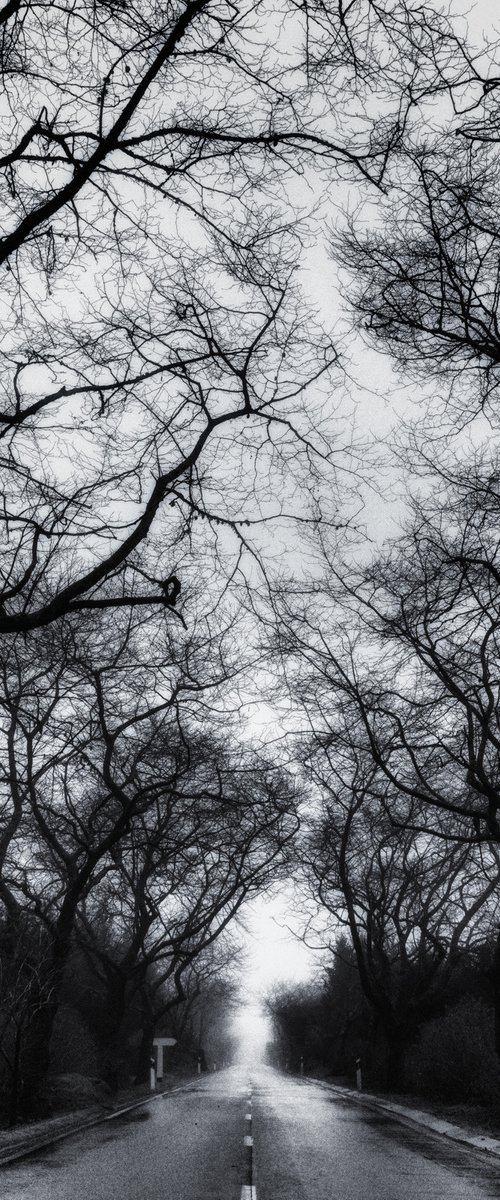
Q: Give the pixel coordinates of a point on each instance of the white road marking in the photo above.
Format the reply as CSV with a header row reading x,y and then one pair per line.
x,y
248,1191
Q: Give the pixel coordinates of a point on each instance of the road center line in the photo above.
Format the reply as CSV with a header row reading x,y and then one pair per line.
x,y
248,1191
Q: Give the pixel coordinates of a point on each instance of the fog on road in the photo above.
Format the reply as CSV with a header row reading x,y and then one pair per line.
x,y
245,1134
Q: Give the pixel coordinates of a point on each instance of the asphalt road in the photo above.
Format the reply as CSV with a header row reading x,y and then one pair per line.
x,y
252,1135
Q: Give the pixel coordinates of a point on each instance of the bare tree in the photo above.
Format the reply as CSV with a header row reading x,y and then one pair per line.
x,y
410,902
431,717
424,278
178,879
395,667
149,348
118,780
158,376
406,648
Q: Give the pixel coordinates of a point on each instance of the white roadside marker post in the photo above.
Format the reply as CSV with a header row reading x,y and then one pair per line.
x,y
359,1081
301,1065
152,1074
199,1065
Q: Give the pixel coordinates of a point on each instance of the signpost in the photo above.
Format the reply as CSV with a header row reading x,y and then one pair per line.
x,y
160,1042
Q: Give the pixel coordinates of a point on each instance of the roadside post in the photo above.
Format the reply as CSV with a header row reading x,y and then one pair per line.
x,y
199,1065
301,1064
152,1074
359,1081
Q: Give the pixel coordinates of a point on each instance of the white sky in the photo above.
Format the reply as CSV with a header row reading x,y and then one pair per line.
x,y
274,955
481,14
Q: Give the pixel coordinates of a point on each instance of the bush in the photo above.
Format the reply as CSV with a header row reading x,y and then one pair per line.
x,y
454,1056
72,1091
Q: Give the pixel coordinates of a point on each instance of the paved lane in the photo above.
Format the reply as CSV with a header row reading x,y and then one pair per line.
x,y
310,1145
185,1146
306,1143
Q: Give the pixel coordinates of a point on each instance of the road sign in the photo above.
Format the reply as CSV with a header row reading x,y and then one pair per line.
x,y
160,1043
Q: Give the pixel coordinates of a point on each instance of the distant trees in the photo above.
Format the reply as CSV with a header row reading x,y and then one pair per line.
x,y
331,1026
202,1022
324,1025
298,1021
410,904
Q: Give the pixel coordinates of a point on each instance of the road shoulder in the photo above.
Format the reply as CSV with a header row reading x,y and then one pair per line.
x,y
417,1116
25,1139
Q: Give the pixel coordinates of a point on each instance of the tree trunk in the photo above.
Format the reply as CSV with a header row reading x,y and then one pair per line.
x,y
495,978
395,1061
35,1056
145,1051
47,988
113,1051
15,1085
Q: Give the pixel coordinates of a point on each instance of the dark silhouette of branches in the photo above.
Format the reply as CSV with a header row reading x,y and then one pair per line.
x,y
410,902
147,250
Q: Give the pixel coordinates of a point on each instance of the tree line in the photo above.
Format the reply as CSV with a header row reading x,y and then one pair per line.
x,y
392,654
133,830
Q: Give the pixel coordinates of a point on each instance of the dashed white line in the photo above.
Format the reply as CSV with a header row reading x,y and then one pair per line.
x,y
248,1191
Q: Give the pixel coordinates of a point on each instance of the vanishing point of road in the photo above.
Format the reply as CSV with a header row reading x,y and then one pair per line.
x,y
245,1134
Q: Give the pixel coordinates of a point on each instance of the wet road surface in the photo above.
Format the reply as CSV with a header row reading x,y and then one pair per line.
x,y
312,1145
300,1141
